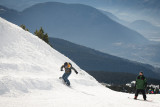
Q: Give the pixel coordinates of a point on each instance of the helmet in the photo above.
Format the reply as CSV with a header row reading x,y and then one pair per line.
x,y
67,65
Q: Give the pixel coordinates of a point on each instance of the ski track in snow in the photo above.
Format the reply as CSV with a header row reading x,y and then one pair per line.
x,y
29,72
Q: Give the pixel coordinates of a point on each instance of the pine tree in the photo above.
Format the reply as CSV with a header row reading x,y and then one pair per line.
x,y
24,27
46,38
36,32
42,35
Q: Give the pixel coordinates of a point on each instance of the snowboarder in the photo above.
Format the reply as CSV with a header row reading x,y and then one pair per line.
x,y
68,67
141,84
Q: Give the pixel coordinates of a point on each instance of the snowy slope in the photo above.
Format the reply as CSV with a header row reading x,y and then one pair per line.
x,y
29,72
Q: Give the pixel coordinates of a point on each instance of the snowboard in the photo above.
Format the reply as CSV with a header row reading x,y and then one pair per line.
x,y
64,82
141,99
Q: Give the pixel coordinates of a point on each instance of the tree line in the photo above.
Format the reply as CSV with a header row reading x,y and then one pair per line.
x,y
40,33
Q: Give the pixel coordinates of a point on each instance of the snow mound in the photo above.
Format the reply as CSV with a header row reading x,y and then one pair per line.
x,y
29,72
26,62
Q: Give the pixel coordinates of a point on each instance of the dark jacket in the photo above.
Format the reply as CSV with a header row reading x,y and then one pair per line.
x,y
68,70
141,82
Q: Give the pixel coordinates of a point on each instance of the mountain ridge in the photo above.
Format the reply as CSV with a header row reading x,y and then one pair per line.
x,y
93,60
94,21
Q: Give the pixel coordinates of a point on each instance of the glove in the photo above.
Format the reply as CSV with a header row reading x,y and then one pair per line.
x,y
135,85
76,72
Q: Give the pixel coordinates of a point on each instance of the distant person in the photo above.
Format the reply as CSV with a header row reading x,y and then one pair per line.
x,y
150,91
68,67
155,91
141,84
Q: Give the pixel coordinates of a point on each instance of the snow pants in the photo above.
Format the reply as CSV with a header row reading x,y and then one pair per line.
x,y
65,78
142,91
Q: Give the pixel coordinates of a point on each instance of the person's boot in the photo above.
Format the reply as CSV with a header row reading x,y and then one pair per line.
x,y
68,84
135,97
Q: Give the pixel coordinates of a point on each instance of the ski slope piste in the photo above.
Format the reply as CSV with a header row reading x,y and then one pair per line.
x,y
30,71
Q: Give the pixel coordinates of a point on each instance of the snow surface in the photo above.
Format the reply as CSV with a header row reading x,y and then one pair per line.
x,y
29,72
